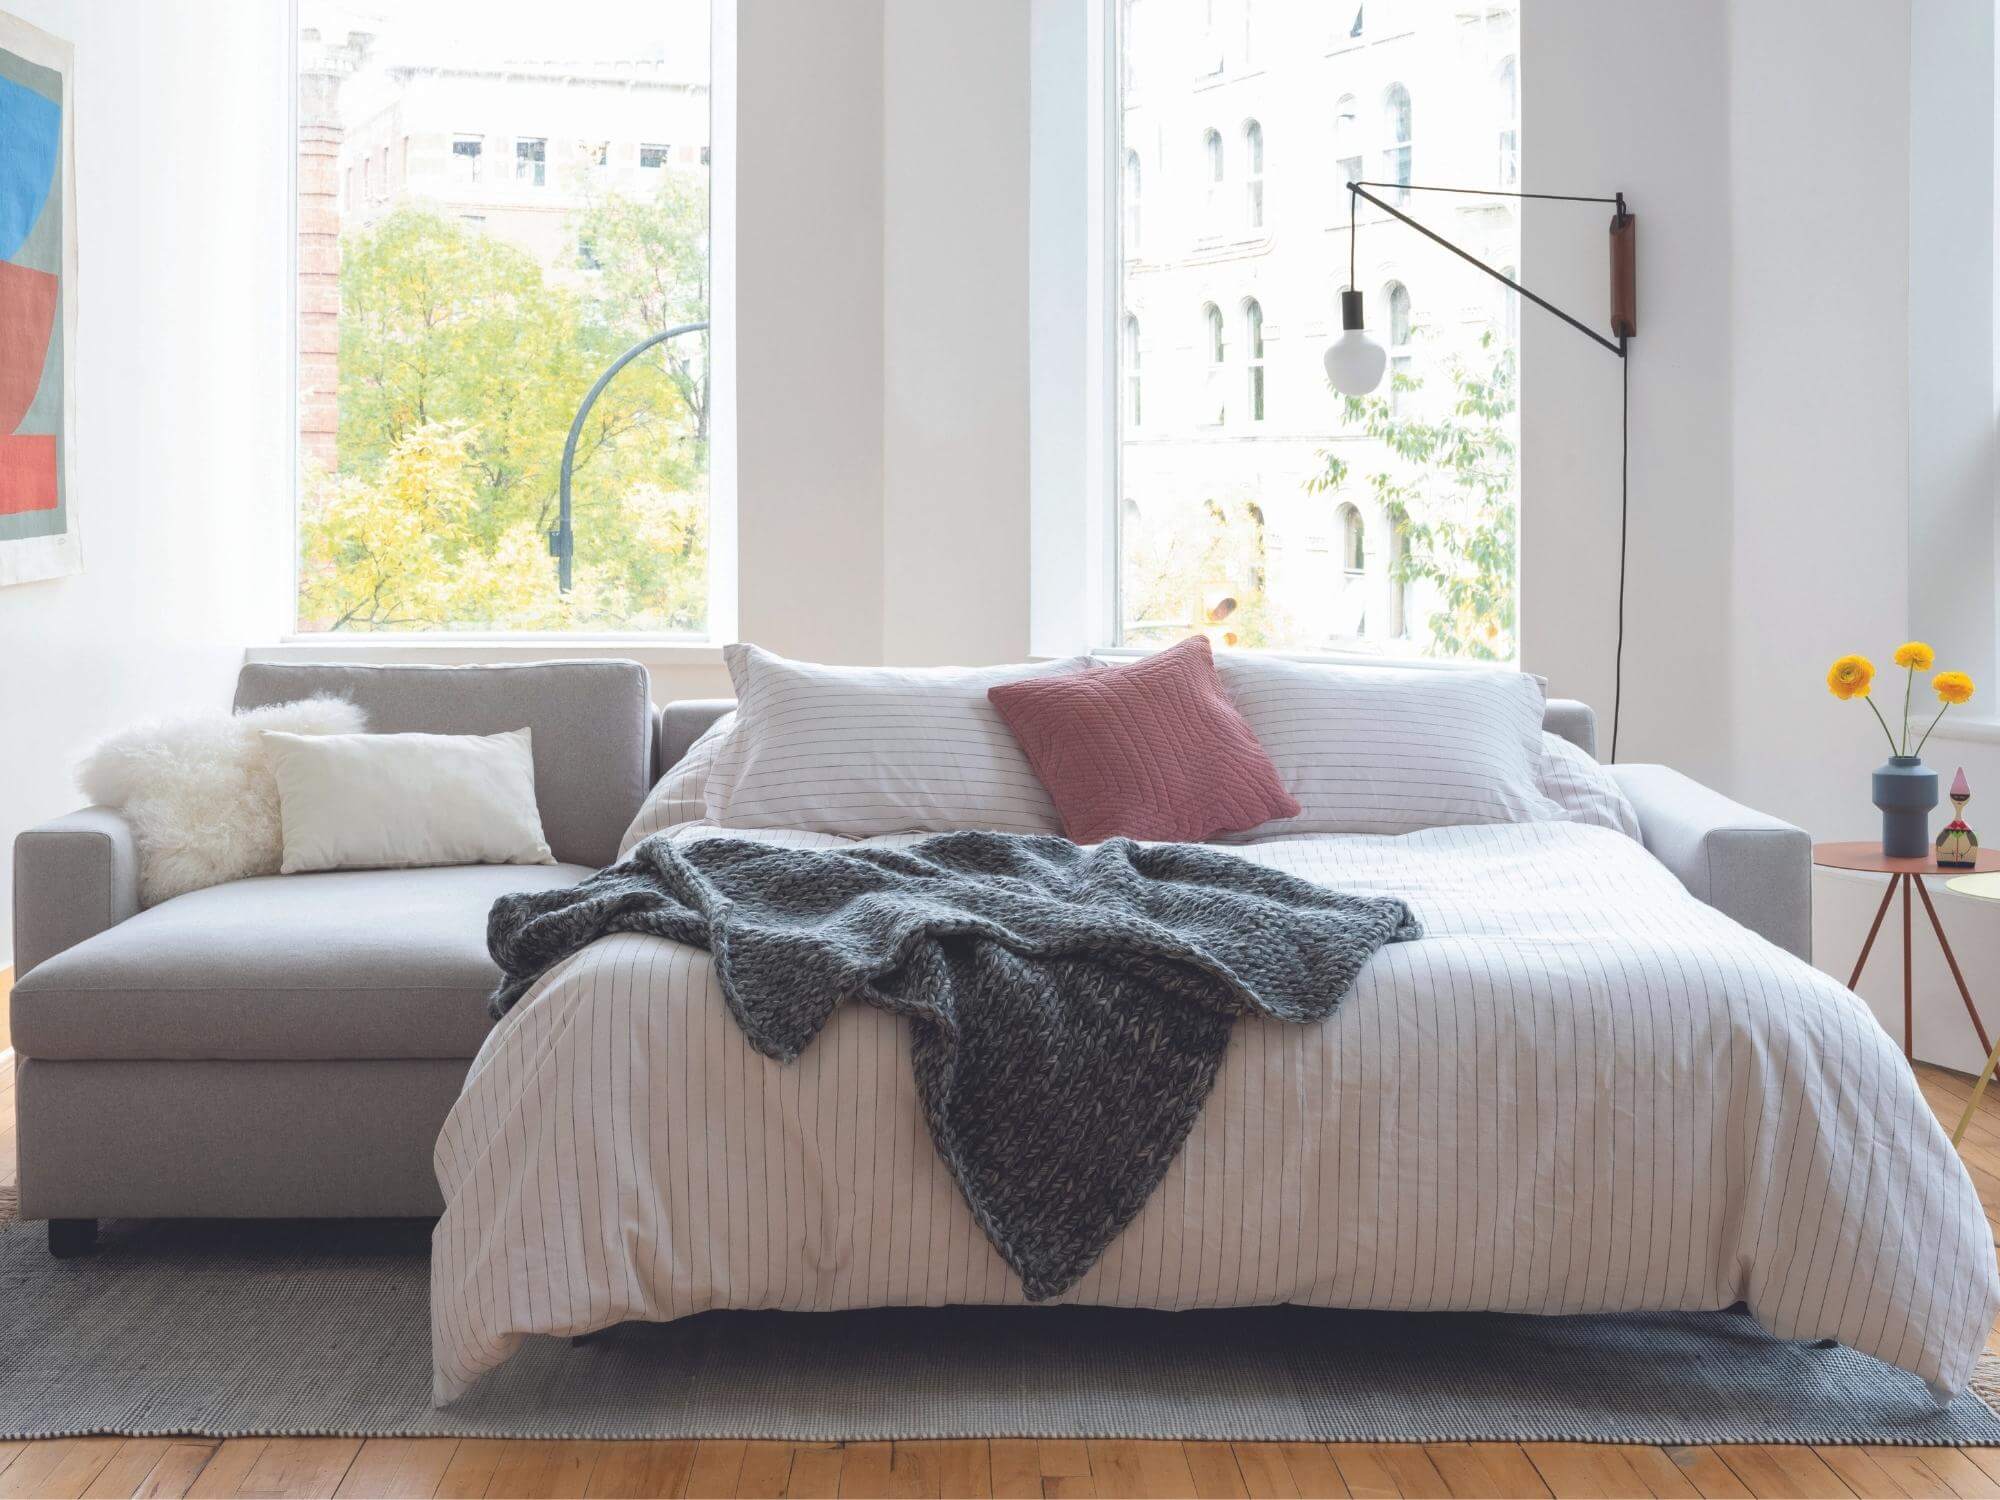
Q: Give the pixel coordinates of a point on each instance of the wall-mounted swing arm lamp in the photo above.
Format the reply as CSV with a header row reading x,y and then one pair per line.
x,y
1355,362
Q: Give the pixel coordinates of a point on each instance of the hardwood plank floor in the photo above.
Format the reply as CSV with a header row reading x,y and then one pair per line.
x,y
1108,1470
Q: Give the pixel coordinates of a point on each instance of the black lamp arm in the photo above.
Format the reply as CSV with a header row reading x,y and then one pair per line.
x,y
1357,190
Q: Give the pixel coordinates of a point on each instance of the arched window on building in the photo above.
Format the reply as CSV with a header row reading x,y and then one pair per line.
x,y
1347,151
1131,203
1507,105
1134,409
1353,542
1215,403
1396,139
1510,307
1399,589
1253,182
1396,297
1211,146
1253,343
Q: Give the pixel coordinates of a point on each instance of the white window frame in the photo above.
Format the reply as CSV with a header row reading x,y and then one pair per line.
x,y
1076,319
650,648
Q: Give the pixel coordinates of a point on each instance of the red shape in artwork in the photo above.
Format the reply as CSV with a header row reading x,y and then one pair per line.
x,y
27,320
27,472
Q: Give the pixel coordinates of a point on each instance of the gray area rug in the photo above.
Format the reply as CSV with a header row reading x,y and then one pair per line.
x,y
289,1328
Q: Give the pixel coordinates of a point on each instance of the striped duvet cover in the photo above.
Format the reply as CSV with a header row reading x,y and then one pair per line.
x,y
1583,1091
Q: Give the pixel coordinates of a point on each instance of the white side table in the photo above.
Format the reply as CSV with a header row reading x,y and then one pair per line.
x,y
1984,886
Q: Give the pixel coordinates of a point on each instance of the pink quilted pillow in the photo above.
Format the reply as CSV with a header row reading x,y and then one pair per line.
x,y
1152,750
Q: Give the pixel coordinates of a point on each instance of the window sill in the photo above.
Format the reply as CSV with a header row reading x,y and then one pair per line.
x,y
1982,730
451,648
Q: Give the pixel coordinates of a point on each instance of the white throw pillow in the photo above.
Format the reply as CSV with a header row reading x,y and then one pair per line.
x,y
393,801
199,793
680,796
1388,750
867,750
1575,782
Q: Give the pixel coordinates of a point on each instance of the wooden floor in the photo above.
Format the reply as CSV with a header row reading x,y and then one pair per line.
x,y
469,1467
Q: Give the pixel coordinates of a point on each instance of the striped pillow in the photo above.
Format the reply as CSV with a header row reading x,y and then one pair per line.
x,y
1575,782
866,750
1382,750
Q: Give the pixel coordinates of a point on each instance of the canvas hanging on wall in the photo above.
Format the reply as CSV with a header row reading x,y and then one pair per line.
x,y
38,532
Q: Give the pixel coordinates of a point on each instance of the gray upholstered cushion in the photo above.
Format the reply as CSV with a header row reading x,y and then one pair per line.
x,y
348,964
1746,864
592,723
1573,721
74,876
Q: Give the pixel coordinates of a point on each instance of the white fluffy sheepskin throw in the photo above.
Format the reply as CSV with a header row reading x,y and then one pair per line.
x,y
199,792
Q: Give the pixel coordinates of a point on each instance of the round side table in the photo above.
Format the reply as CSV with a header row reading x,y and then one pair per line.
x,y
1904,873
1984,886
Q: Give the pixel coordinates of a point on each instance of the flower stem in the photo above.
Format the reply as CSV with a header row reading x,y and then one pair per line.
x,y
1909,681
1927,733
1884,723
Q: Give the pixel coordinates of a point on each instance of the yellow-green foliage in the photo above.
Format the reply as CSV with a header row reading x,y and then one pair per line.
x,y
461,366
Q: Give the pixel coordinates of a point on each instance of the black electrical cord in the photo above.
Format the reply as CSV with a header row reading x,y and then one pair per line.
x,y
1624,510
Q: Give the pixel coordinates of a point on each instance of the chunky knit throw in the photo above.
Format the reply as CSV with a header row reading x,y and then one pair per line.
x,y
1068,1006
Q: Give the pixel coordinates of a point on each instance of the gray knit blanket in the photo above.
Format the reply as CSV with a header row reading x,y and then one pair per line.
x,y
1068,1007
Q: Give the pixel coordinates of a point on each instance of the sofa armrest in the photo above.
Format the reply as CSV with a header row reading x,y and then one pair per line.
x,y
73,877
1746,864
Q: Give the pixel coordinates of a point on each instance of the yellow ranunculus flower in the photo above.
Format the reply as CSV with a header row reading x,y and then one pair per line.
x,y
1915,655
1952,687
1850,677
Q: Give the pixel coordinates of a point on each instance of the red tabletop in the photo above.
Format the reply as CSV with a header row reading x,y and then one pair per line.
x,y
1869,856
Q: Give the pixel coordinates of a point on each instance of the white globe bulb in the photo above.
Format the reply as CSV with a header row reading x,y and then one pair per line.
x,y
1355,362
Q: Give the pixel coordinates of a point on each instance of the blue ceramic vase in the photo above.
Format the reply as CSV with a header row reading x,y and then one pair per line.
x,y
1906,791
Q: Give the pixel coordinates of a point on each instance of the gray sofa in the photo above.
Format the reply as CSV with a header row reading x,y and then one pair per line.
x,y
288,1046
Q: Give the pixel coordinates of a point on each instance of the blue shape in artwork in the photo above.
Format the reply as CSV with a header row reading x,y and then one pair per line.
x,y
30,142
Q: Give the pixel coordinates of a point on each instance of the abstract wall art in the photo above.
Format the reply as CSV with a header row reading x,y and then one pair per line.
x,y
38,531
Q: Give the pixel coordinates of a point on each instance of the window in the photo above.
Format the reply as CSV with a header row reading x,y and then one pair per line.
x,y
1396,139
1131,203
1211,149
652,158
1244,480
1508,108
1215,406
1353,542
1346,146
433,409
1253,343
1134,409
531,161
1253,155
1396,298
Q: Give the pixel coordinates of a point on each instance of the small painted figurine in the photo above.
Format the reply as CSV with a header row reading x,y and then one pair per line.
x,y
1958,846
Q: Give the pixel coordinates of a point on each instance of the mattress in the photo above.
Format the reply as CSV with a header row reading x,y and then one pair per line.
x,y
1582,1091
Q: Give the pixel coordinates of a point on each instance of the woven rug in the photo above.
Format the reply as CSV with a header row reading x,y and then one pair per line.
x,y
321,1328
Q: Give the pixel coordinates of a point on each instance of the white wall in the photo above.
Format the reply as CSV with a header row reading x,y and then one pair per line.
x,y
955,317
809,330
181,471
1593,123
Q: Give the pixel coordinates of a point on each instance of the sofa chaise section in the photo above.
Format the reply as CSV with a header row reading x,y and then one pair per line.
x,y
288,1046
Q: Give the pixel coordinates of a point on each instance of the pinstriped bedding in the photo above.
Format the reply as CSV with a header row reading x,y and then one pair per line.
x,y
1583,1091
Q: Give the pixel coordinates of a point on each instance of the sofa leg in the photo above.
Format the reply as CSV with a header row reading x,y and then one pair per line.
x,y
72,1237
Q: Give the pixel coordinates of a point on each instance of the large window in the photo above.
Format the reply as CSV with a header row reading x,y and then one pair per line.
x,y
454,314
1383,525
